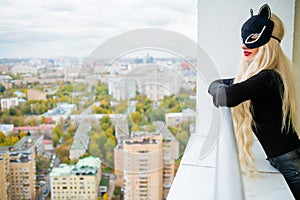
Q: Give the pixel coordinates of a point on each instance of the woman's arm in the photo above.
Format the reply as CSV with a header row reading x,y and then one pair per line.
x,y
217,84
256,86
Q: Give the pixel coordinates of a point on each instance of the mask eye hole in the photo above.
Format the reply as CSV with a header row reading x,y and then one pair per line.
x,y
254,37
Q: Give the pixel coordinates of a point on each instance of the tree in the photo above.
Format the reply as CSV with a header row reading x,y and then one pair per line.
x,y
95,150
43,120
58,130
106,119
2,137
2,88
42,163
105,196
22,134
55,140
157,114
10,141
63,153
72,129
136,117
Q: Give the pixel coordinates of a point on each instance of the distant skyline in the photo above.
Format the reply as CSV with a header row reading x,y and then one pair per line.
x,y
55,28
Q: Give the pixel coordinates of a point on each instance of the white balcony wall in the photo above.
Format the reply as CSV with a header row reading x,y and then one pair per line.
x,y
219,24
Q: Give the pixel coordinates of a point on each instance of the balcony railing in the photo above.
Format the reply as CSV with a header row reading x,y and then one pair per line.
x,y
217,175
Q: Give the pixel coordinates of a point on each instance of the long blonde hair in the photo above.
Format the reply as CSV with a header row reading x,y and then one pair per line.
x,y
269,56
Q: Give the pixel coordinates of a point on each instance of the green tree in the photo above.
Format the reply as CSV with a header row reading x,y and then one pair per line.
x,y
63,152
136,117
2,88
43,120
106,119
42,163
72,129
11,140
95,150
157,114
2,137
55,140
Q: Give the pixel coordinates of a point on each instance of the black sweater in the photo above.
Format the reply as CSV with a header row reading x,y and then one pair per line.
x,y
264,90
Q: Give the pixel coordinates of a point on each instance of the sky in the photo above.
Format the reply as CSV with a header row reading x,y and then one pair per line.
x,y
54,28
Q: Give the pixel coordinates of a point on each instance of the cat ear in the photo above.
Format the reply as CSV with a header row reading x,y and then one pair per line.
x,y
251,12
265,11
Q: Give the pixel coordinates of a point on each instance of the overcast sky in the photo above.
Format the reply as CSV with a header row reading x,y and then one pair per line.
x,y
53,28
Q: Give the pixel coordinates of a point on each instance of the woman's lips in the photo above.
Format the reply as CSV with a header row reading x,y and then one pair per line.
x,y
247,53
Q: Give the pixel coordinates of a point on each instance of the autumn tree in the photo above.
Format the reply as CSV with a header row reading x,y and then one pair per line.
x,y
42,163
2,137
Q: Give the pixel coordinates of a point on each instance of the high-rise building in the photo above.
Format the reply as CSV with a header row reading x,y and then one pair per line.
x,y
4,174
22,176
17,169
143,167
73,182
145,164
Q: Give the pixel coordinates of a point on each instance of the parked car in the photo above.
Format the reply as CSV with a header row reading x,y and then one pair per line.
x,y
41,183
45,191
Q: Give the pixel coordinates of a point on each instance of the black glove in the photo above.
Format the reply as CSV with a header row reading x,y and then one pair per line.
x,y
217,89
218,84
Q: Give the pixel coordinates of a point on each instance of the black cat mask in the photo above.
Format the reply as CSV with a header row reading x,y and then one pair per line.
x,y
257,30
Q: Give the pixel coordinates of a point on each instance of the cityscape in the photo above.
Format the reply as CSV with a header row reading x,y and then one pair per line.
x,y
74,128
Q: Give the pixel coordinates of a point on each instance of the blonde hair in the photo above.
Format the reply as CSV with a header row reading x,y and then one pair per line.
x,y
269,56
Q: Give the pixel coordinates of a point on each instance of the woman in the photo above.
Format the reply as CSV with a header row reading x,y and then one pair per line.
x,y
263,97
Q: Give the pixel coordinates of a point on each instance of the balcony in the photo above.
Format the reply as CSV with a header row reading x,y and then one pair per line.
x,y
217,175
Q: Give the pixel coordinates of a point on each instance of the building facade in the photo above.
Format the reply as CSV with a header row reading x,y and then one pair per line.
x,y
73,182
144,160
4,174
36,95
17,175
9,103
17,169
143,168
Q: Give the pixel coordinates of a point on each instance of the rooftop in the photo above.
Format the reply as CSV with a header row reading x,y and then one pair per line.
x,y
86,166
26,143
5,128
62,170
140,142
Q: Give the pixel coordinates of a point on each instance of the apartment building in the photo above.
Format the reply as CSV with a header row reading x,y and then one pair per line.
x,y
17,169
30,145
17,175
22,176
9,103
36,95
73,182
144,164
173,119
81,140
4,173
143,167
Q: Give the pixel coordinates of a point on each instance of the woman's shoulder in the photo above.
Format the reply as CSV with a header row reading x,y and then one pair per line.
x,y
268,74
267,77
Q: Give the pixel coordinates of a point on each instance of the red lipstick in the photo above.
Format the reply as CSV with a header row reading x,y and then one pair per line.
x,y
247,53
